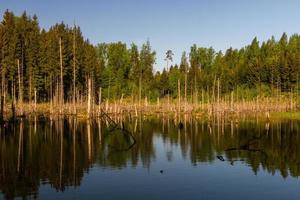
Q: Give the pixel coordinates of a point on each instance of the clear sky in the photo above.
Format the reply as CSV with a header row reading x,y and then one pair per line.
x,y
168,24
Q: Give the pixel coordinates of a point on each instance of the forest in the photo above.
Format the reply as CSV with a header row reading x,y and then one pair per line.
x,y
61,65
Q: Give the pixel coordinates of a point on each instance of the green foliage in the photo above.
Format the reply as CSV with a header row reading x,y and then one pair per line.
x,y
257,69
38,53
244,92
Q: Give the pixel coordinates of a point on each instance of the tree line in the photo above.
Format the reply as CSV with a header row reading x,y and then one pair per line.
x,y
32,58
44,64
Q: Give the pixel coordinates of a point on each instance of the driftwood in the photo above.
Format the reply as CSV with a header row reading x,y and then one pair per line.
x,y
114,127
244,147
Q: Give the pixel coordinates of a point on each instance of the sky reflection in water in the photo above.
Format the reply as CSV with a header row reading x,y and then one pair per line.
x,y
220,159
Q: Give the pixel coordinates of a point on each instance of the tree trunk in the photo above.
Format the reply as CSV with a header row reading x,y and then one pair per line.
x,y
168,101
74,73
202,98
34,99
30,89
61,96
1,110
13,102
231,102
99,100
89,97
185,89
51,95
179,99
20,89
140,90
2,84
218,100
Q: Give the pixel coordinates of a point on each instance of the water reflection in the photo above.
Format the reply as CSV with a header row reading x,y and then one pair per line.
x,y
60,151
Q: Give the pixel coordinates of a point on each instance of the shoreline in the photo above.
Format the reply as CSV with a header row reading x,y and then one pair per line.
x,y
201,111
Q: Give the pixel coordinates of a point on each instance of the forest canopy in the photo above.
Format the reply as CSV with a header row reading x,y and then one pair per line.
x,y
33,54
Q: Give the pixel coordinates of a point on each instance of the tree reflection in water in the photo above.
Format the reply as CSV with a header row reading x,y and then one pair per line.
x,y
60,151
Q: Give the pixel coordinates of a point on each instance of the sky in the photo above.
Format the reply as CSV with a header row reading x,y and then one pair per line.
x,y
168,24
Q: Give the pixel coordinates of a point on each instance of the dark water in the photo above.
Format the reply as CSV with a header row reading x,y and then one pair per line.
x,y
153,159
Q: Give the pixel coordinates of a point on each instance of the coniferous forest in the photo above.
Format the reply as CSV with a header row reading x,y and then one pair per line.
x,y
61,65
149,99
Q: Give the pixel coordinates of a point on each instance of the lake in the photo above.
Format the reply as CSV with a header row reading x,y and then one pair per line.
x,y
150,158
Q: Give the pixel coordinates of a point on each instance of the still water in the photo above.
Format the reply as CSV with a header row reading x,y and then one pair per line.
x,y
150,158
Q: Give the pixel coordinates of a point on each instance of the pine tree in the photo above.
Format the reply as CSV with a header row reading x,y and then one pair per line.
x,y
9,42
283,64
253,63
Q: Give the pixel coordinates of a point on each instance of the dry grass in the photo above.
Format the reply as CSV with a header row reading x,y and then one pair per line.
x,y
125,106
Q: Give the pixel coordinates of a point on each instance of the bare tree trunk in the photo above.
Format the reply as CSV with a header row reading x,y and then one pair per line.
x,y
99,101
30,89
108,91
196,97
213,95
168,101
51,95
185,89
2,93
1,110
179,100
92,97
192,93
291,100
89,97
202,98
100,131
208,98
140,90
34,99
218,100
231,104
74,72
61,96
196,92
20,89
2,97
297,91
13,103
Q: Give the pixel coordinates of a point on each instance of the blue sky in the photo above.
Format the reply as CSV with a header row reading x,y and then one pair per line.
x,y
168,24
